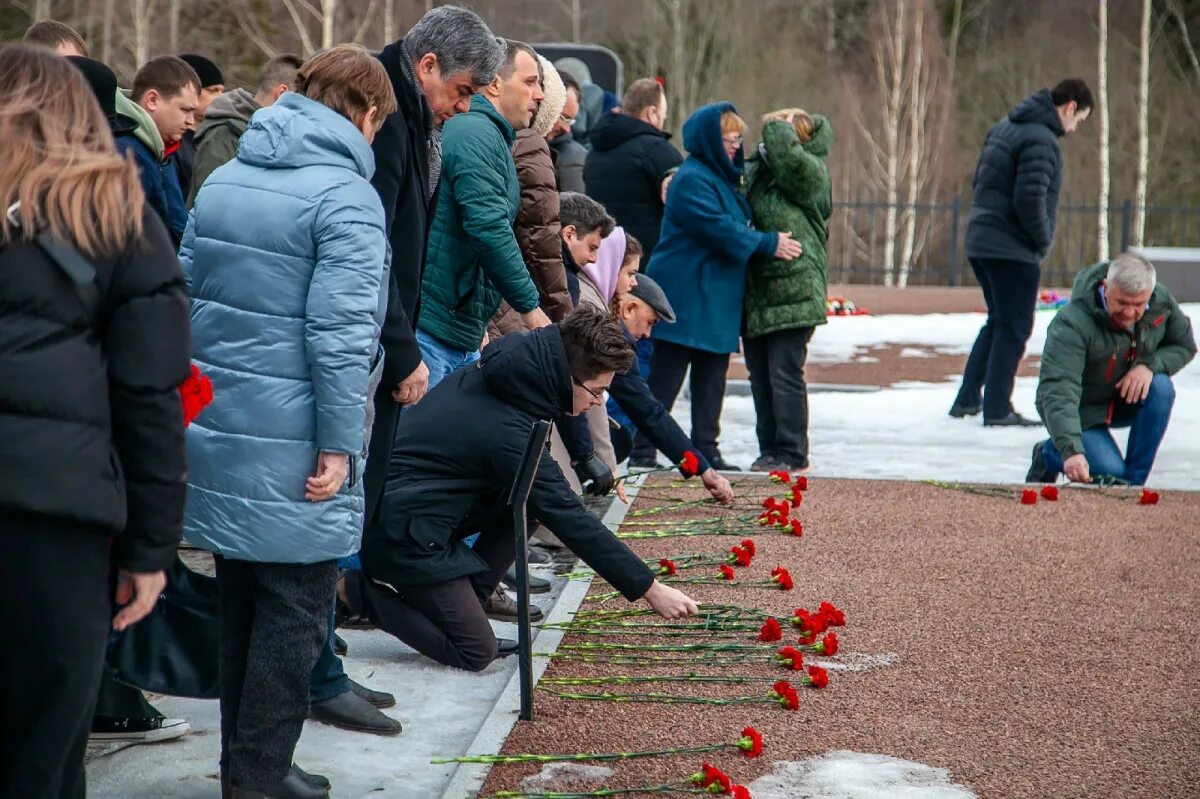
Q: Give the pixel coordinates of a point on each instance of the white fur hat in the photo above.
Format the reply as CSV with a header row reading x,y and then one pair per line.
x,y
553,102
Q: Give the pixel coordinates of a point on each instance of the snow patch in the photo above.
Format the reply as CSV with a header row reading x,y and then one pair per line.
x,y
914,352
561,776
854,661
842,774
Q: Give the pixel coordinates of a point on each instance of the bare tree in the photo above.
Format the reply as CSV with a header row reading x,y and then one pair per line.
x,y
173,26
106,36
1175,9
889,58
1102,239
143,14
1143,129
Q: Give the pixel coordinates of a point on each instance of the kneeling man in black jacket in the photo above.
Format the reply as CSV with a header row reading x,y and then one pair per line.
x,y
454,461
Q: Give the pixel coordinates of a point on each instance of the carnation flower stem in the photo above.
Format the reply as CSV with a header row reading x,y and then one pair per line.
x,y
602,792
625,679
720,647
584,756
661,699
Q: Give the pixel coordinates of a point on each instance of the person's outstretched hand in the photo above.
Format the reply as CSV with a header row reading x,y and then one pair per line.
x,y
138,592
669,602
788,249
1077,470
718,486
593,469
332,468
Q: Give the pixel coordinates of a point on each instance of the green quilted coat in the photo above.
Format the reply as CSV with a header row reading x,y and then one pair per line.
x,y
789,190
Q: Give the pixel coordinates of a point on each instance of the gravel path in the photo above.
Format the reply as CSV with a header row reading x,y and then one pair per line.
x,y
1032,651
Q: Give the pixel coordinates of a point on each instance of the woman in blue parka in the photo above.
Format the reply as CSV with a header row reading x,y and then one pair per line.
x,y
285,254
700,263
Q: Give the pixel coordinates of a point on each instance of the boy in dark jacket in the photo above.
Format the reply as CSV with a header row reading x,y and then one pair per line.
x,y
425,585
164,98
1107,363
1009,231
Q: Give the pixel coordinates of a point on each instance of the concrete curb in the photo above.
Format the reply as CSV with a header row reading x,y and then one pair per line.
x,y
741,388
468,778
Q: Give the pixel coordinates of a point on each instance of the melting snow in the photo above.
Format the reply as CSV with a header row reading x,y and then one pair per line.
x,y
853,775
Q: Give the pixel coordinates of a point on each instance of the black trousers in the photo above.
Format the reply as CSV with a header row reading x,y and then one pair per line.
x,y
443,621
776,364
1010,289
273,624
117,700
668,366
54,595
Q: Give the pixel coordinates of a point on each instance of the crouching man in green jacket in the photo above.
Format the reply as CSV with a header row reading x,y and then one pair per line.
x,y
1107,363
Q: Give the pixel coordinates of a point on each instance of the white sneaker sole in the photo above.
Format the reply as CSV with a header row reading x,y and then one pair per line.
x,y
170,730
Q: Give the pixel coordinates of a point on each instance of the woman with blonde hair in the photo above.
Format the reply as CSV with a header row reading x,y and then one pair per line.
x,y
286,253
93,347
700,263
789,189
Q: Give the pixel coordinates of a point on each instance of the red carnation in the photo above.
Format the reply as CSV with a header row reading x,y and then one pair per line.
x,y
801,484
727,572
770,631
740,792
1050,493
1029,497
817,677
748,545
784,579
808,637
813,623
791,657
195,393
797,528
790,699
780,687
1148,497
835,617
797,497
751,743
710,774
780,476
667,567
829,644
739,556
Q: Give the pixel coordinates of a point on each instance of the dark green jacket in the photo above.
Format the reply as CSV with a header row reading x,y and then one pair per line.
x,y
474,260
218,135
789,191
1085,357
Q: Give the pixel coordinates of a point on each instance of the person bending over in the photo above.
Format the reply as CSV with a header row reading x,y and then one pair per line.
x,y
454,462
1107,363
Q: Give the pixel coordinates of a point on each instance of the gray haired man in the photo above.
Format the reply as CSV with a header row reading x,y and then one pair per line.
x,y
1108,361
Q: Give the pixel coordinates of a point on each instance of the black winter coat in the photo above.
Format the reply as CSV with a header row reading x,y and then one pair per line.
x,y
92,424
624,173
454,462
402,179
1017,181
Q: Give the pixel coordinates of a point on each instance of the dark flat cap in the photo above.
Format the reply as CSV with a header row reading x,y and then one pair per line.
x,y
650,293
208,72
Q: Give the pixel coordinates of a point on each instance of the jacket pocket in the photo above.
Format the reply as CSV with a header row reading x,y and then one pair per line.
x,y
427,536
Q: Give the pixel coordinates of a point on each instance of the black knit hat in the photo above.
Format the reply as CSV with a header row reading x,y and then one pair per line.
x,y
209,73
104,86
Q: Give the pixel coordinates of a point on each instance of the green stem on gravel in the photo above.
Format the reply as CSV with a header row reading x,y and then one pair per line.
x,y
662,699
601,756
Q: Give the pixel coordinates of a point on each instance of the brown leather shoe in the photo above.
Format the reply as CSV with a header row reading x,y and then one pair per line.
x,y
502,607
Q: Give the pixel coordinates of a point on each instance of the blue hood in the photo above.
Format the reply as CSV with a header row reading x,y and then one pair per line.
x,y
1038,107
298,132
702,139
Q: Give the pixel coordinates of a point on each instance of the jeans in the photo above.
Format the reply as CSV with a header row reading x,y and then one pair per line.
x,y
1010,290
441,359
776,364
669,365
328,678
1147,423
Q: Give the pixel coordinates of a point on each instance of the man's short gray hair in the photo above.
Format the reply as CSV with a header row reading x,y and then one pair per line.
x,y
584,213
1131,273
460,39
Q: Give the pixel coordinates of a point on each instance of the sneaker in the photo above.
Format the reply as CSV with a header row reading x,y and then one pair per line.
x,y
959,411
1038,472
1014,419
765,463
138,731
502,607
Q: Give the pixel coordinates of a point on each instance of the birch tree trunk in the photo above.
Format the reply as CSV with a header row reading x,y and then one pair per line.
x,y
173,27
106,33
1102,236
891,137
576,21
1143,128
389,22
141,10
915,105
328,12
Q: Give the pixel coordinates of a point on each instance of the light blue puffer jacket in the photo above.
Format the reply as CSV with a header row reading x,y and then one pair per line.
x,y
285,254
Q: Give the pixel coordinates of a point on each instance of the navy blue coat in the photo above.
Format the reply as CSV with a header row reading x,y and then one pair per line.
x,y
707,241
1017,181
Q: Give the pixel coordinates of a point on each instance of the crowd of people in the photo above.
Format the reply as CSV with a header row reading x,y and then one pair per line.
x,y
390,266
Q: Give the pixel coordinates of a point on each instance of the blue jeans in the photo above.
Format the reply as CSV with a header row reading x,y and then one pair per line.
x,y
441,359
1147,423
328,679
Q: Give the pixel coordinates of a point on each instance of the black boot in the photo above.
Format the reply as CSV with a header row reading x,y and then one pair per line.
x,y
537,585
292,786
376,698
959,411
1013,419
1038,472
349,711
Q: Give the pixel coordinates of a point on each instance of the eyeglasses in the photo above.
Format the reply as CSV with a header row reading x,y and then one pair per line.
x,y
737,141
596,393
566,120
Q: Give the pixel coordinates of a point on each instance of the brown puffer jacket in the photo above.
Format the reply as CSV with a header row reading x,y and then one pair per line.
x,y
538,230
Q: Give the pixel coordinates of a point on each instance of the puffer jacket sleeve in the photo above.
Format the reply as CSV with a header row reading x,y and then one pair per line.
x,y
538,228
478,182
148,342
1178,345
693,203
1060,385
799,174
341,330
186,249
1037,163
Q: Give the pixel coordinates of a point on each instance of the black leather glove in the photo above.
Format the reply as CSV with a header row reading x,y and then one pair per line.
x,y
593,469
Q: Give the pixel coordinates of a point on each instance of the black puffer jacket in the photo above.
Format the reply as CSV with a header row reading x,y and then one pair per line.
x,y
624,173
1017,181
454,462
92,428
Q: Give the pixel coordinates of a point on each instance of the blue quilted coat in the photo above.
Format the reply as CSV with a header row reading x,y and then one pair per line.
x,y
285,254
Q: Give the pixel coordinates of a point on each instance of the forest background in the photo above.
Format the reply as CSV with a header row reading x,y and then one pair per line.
x,y
911,86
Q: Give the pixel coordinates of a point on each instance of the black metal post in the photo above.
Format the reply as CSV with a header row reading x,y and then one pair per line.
x,y
955,263
517,498
1126,223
